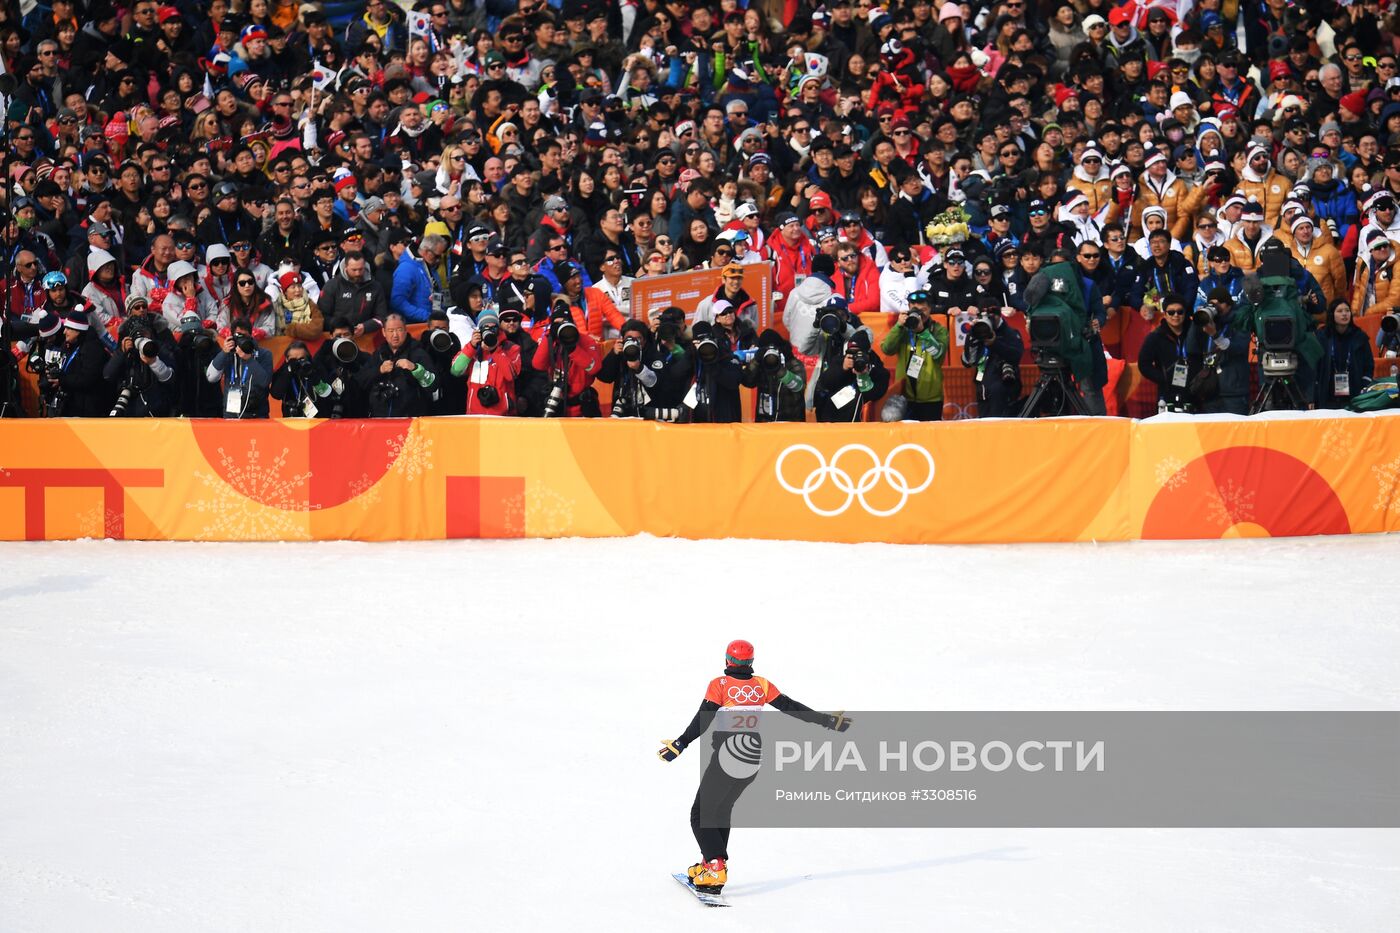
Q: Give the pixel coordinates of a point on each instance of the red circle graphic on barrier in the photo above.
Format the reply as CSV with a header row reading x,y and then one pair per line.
x,y
300,466
1244,491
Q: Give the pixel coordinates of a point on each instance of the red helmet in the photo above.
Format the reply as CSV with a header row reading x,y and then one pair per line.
x,y
739,653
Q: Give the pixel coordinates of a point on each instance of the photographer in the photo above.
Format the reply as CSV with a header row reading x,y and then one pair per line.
x,y
397,378
843,390
994,349
649,376
339,361
245,370
142,371
12,329
1164,358
714,392
779,378
1221,355
921,343
442,347
299,385
570,359
195,349
72,382
1347,367
487,368
531,386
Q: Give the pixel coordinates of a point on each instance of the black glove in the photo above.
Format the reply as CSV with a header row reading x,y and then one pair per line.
x,y
670,749
838,721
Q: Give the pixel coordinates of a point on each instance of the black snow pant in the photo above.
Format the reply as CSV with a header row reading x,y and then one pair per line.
x,y
711,812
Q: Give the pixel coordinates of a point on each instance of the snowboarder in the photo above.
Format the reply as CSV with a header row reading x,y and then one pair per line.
x,y
736,760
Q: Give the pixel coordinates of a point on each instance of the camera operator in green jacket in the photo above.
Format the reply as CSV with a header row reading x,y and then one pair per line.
x,y
921,343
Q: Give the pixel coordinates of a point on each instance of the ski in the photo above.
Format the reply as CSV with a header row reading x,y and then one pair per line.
x,y
709,900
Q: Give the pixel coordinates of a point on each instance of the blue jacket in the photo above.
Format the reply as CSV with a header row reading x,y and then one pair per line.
x,y
1335,202
1176,276
1232,282
412,294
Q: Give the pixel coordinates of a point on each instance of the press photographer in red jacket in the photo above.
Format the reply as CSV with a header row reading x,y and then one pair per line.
x,y
570,359
490,364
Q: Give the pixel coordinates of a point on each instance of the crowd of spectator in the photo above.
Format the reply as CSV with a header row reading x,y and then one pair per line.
x,y
186,182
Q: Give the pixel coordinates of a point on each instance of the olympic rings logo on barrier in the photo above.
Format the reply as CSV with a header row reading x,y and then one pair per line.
x,y
746,694
855,490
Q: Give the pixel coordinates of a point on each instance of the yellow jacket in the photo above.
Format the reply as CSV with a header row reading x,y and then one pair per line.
x,y
1271,191
1387,291
1325,264
1176,199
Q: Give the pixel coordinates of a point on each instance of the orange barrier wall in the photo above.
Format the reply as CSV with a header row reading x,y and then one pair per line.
x,y
1048,480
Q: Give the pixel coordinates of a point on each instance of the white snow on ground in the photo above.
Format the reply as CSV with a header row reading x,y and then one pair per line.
x,y
461,736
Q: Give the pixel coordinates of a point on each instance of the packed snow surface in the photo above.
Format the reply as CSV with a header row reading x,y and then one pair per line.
x,y
462,735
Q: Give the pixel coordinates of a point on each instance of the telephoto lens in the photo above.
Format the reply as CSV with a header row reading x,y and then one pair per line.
x,y
1202,317
566,332
490,336
440,340
631,349
146,347
771,359
1390,323
830,323
981,329
706,349
345,350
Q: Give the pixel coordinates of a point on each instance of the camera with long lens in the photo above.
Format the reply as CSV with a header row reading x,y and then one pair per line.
x,y
631,349
914,322
706,349
831,322
1390,324
555,405
860,360
1277,339
564,332
490,336
440,340
345,350
245,344
1203,317
771,360
300,367
979,329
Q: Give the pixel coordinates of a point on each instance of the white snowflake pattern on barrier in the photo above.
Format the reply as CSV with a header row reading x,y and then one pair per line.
x,y
253,500
1170,473
365,492
1337,442
100,522
1387,480
1232,504
412,456
543,512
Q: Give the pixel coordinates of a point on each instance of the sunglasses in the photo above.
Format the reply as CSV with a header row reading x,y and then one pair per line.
x,y
1039,213
184,244
219,262
246,283
1088,256
1175,312
28,265
240,247
982,272
903,133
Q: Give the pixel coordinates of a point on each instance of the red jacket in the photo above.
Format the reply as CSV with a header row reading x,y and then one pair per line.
x,y
789,262
864,293
583,366
497,368
23,299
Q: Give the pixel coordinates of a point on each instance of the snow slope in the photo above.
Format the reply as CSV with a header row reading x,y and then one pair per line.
x,y
452,736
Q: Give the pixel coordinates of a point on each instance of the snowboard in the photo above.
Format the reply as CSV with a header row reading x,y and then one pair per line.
x,y
709,900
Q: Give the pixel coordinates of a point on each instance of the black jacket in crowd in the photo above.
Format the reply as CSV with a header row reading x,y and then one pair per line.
x,y
654,392
1161,352
397,394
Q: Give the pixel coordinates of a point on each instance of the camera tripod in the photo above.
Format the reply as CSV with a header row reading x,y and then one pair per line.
x,y
1054,373
1263,401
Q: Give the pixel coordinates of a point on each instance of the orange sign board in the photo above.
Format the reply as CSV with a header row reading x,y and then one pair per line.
x,y
687,289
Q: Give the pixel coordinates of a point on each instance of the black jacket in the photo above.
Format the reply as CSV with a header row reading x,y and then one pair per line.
x,y
776,399
716,389
81,379
292,390
531,386
945,293
997,390
835,403
358,302
346,398
1157,360
654,392
1348,353
398,393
